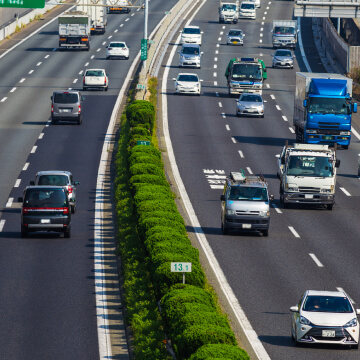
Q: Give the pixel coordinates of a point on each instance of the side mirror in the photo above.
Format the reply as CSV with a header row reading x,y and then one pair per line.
x,y
357,311
283,160
201,80
201,52
201,32
294,309
32,182
305,103
265,70
76,183
354,107
51,97
271,197
243,34
20,199
222,197
179,51
174,79
337,163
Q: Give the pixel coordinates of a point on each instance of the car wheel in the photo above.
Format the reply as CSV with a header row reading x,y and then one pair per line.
x,y
67,234
355,346
24,232
107,88
329,206
84,88
265,232
79,120
224,229
54,121
73,209
345,147
262,116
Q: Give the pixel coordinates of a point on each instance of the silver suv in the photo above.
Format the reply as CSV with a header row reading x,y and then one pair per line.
x,y
190,55
66,105
58,178
245,204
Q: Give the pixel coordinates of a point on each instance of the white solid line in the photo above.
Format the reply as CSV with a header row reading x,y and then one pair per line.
x,y
232,300
277,209
9,203
215,83
80,73
215,66
278,107
46,56
220,104
33,149
217,186
249,171
31,71
285,118
2,224
227,127
17,183
317,262
39,63
13,89
216,93
25,166
355,133
3,99
241,154
41,136
294,231
75,81
22,80
98,49
308,68
345,191
86,64
215,74
127,19
272,96
292,130
233,140
268,86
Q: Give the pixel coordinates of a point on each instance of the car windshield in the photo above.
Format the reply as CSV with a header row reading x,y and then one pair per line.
x,y
229,7
65,98
247,71
119,45
94,73
283,53
235,33
248,6
251,98
188,50
45,198
188,78
333,304
55,180
191,31
319,105
311,166
248,193
284,30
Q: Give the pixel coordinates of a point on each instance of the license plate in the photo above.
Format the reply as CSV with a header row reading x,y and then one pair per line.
x,y
251,110
234,42
45,221
65,110
246,226
283,63
328,333
307,196
328,137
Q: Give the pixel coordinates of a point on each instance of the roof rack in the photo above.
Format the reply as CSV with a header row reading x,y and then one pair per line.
x,y
238,176
248,59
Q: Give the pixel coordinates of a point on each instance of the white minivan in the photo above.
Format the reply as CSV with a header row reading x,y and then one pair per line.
x,y
247,10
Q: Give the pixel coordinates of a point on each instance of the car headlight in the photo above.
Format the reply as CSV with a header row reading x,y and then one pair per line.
x,y
292,187
230,212
182,57
276,59
264,213
304,320
311,131
351,323
327,190
345,133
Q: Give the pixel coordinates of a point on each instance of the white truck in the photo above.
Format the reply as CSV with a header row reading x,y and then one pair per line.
x,y
284,34
118,6
307,174
97,13
229,11
74,30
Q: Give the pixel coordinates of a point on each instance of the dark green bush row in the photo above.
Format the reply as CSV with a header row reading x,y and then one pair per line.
x,y
191,316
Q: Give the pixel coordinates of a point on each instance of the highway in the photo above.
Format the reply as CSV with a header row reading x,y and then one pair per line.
x,y
307,247
48,293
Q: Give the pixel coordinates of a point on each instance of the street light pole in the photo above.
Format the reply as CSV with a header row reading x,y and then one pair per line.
x,y
146,14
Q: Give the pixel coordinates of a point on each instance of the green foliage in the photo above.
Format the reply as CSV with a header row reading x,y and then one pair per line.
x,y
141,112
140,130
145,150
172,215
139,169
154,221
219,351
156,205
165,235
148,179
139,158
145,195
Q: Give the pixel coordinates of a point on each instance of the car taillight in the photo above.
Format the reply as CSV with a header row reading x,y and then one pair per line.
x,y
65,210
79,108
105,80
70,189
52,108
25,210
84,80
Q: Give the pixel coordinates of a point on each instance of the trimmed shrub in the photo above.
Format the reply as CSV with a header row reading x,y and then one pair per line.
x,y
139,169
161,214
165,235
136,105
157,205
144,149
164,278
219,351
153,221
169,254
140,130
145,159
134,138
192,338
141,196
148,179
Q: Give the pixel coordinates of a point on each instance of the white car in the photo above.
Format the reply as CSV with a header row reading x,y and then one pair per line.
x,y
283,58
187,83
191,35
250,104
247,10
325,317
117,49
235,37
95,78
256,2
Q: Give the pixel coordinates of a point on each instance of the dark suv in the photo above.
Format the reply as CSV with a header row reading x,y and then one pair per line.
x,y
45,208
66,105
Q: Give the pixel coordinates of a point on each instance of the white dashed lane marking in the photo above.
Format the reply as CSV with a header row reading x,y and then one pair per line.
x,y
41,136
249,171
39,63
127,19
31,71
25,166
215,66
292,130
22,80
80,73
86,64
278,107
241,154
92,56
17,183
3,99
120,26
215,83
285,118
2,223
278,210
13,89
215,74
75,81
227,127
220,104
294,232
104,43
46,56
223,115
9,203
317,262
272,96
233,140
33,149
345,191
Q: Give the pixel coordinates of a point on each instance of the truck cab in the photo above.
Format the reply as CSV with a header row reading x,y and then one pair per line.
x,y
229,12
245,204
284,34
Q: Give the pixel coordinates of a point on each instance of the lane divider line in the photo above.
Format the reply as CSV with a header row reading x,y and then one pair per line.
x,y
292,130
317,261
3,99
33,149
345,191
2,224
278,210
285,118
13,89
227,127
241,154
17,183
9,202
295,233
249,171
22,80
233,140
25,166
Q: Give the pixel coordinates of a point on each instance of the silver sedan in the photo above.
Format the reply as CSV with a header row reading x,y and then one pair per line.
x,y
235,37
283,58
250,104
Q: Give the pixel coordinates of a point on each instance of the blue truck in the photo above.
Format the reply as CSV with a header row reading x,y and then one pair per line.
x,y
322,109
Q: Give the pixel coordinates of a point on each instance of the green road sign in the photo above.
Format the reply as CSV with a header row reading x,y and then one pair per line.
x,y
144,43
30,4
140,87
143,142
180,267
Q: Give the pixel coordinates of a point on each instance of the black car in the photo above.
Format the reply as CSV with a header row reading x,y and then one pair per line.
x,y
45,208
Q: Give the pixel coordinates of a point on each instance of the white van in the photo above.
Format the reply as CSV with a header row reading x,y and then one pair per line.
x,y
247,10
